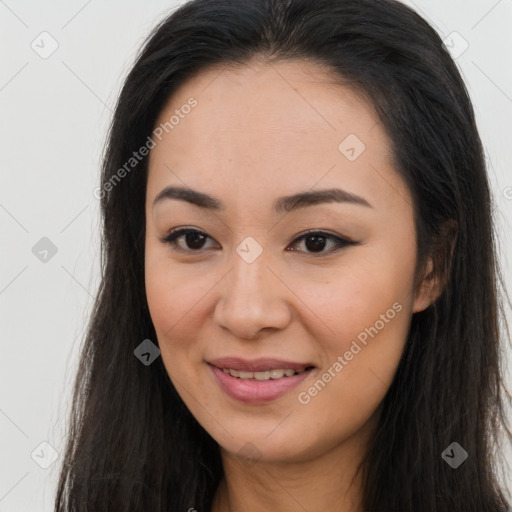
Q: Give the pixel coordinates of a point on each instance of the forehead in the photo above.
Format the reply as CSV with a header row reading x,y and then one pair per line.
x,y
288,125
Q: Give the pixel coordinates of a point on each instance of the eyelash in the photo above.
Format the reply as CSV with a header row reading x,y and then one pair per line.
x,y
171,238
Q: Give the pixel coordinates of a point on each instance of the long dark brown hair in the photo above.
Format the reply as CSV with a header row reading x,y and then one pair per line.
x,y
132,444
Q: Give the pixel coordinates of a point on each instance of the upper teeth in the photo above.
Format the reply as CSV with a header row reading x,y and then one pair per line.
x,y
266,375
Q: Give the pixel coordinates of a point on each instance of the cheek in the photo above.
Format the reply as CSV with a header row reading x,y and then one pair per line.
x,y
174,294
350,301
358,364
363,321
180,304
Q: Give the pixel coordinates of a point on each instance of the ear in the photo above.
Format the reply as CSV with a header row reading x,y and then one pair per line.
x,y
429,289
438,267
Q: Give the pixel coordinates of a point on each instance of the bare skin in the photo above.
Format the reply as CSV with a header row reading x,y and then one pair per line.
x,y
260,132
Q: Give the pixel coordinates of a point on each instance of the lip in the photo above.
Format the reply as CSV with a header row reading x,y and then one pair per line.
x,y
257,365
257,391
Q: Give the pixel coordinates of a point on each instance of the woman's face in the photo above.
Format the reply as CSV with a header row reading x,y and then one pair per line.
x,y
246,292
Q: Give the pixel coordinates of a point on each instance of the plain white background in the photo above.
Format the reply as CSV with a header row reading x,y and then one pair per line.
x,y
54,116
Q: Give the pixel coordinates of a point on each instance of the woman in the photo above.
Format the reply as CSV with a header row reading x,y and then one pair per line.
x,y
300,299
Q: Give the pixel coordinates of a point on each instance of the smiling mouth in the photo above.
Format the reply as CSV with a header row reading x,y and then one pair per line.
x,y
273,374
265,383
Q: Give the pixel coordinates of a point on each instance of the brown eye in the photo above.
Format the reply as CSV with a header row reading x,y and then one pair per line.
x,y
317,241
193,239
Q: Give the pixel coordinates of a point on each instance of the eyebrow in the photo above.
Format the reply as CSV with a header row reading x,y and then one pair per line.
x,y
283,204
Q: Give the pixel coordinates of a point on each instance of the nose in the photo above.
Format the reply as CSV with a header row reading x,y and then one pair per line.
x,y
252,298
